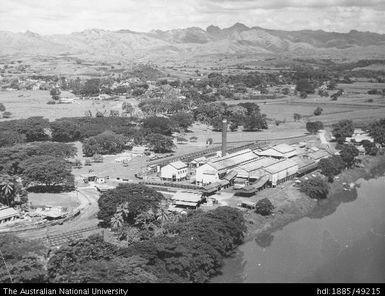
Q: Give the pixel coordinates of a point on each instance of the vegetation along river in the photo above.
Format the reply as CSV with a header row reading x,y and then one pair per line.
x,y
343,240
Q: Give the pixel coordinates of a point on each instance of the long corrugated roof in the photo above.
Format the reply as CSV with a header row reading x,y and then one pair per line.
x,y
260,163
280,166
187,196
234,159
319,154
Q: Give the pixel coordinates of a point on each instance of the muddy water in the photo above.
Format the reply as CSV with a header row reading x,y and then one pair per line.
x,y
343,240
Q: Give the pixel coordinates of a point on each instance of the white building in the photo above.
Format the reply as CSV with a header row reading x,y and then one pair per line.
x,y
174,171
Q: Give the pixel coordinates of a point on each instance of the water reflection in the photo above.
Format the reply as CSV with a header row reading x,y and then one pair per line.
x,y
264,240
343,240
328,206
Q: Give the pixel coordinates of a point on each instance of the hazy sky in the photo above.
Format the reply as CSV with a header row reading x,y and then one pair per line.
x,y
65,16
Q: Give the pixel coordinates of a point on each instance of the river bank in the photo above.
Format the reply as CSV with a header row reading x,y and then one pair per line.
x,y
298,205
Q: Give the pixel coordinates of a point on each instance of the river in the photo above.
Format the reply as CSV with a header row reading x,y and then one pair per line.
x,y
343,240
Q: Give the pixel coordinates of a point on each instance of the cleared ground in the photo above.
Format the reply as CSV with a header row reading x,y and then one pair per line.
x,y
65,200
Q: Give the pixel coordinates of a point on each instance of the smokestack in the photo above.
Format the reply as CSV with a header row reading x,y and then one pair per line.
x,y
224,137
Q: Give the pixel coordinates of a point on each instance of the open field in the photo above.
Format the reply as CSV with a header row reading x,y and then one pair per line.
x,y
65,200
24,104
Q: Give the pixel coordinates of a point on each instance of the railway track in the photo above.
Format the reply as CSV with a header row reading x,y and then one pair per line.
x,y
55,240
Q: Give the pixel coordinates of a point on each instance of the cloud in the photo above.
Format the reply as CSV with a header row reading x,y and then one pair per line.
x,y
58,16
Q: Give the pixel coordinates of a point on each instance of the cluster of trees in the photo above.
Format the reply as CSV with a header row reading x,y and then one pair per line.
x,y
23,130
104,143
315,188
247,115
192,251
332,166
314,126
25,260
39,164
342,130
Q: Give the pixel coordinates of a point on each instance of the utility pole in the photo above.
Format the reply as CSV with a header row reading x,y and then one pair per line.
x,y
6,267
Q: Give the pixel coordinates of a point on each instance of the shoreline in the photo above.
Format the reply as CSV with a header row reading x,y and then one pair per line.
x,y
259,227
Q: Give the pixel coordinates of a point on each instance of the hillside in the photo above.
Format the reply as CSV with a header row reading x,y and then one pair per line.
x,y
238,39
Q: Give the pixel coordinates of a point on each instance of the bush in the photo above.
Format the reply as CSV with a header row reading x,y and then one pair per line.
x,y
51,102
264,207
318,111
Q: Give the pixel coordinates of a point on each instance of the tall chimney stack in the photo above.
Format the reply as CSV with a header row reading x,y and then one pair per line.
x,y
224,137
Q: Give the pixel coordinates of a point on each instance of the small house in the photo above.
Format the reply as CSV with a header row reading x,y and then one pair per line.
x,y
174,171
187,199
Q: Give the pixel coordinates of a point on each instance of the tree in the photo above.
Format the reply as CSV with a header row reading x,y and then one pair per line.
x,y
182,120
331,166
303,95
255,121
158,125
264,207
318,111
105,143
65,131
159,143
370,147
348,154
136,198
315,188
314,127
377,131
342,130
2,107
49,171
55,93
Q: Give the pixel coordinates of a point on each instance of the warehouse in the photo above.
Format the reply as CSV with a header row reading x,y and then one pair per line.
x,y
187,199
282,171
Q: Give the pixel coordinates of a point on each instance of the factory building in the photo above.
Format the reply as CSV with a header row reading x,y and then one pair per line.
x,y
214,170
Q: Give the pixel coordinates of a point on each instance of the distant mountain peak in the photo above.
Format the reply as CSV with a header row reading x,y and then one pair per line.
x,y
31,34
239,27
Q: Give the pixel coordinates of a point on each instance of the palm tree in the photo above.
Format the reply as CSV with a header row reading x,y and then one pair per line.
x,y
117,221
7,192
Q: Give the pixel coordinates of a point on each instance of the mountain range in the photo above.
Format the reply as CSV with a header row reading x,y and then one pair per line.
x,y
193,42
